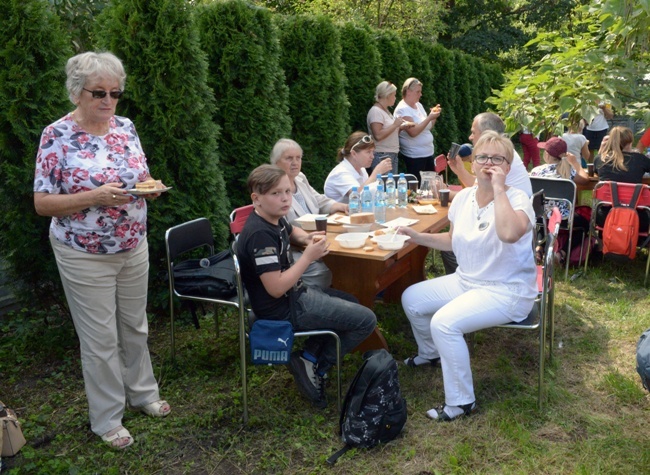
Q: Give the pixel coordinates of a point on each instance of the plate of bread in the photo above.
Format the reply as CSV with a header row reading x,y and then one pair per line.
x,y
149,187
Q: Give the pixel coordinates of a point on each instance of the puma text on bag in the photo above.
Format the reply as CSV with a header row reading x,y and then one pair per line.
x,y
271,341
643,358
373,410
621,229
11,438
216,280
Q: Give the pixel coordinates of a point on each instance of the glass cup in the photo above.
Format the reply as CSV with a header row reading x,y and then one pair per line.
x,y
590,169
453,150
321,223
444,197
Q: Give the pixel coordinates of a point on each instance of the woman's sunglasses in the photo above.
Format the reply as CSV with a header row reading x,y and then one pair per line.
x,y
367,139
102,94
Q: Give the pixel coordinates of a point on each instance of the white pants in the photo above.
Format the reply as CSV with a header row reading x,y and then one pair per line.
x,y
107,296
460,307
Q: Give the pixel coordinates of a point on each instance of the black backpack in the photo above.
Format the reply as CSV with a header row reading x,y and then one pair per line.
x,y
374,410
643,358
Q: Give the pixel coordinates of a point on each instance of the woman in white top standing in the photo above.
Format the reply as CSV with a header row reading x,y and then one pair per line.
x,y
416,142
495,283
383,126
598,128
355,157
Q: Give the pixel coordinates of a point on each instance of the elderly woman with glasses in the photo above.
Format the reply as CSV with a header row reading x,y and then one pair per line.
x,y
384,127
416,142
87,163
491,232
287,155
355,157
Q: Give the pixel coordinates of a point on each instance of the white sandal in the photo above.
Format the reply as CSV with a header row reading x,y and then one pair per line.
x,y
156,409
122,433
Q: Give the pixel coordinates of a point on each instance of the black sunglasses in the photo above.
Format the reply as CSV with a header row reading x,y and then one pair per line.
x,y
102,94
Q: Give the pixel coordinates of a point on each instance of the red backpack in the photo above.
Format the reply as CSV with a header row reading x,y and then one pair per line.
x,y
621,230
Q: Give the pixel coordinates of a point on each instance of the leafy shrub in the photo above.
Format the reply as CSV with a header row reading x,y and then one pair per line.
x,y
168,99
362,69
395,64
463,92
252,99
442,67
311,58
32,95
421,69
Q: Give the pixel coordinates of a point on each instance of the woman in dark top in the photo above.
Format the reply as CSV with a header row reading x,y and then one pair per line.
x,y
617,161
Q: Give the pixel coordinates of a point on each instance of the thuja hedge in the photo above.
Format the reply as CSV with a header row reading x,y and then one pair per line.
x,y
252,97
32,95
311,58
362,62
168,99
395,64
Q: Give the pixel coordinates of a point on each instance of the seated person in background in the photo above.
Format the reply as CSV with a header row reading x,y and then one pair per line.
x,y
355,157
617,162
495,282
561,164
287,155
273,281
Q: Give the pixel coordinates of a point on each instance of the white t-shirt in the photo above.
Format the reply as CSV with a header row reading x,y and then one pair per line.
x,y
482,257
599,122
391,143
341,180
518,176
421,145
574,143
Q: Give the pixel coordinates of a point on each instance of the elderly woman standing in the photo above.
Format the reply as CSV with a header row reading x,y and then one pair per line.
x,y
86,164
416,141
287,155
383,126
495,282
355,156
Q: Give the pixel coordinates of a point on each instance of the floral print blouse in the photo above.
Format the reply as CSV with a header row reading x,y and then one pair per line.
x,y
70,160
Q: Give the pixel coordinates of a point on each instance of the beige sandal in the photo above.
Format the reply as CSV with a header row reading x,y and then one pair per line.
x,y
113,440
156,409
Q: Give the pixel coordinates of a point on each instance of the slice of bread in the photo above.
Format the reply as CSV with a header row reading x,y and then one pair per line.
x,y
362,218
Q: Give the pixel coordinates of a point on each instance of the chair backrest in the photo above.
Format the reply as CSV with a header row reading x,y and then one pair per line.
x,y
555,188
603,192
238,218
554,221
188,236
537,200
440,163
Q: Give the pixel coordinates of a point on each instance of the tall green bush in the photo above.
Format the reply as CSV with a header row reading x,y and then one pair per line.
x,y
421,69
463,91
33,52
243,52
442,67
362,69
168,99
395,64
311,58
475,89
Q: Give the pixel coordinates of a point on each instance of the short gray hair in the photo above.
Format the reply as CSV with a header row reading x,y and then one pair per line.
x,y
490,121
282,146
384,89
86,65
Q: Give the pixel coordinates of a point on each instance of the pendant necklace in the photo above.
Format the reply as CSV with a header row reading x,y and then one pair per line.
x,y
483,225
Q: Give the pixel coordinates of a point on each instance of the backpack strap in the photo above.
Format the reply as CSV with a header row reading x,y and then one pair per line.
x,y
613,189
635,197
336,455
348,397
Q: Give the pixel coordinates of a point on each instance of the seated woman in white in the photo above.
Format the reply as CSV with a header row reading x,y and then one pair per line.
x,y
355,157
287,154
495,283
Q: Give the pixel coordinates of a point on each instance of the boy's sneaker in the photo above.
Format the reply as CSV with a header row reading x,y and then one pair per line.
x,y
310,383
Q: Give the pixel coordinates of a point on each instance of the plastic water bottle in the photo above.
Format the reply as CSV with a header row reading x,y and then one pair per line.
x,y
390,191
380,203
402,191
354,202
366,200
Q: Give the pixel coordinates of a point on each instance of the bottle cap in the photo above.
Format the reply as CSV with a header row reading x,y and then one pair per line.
x,y
366,187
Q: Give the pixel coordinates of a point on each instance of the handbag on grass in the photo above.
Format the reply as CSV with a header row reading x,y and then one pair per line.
x,y
11,437
271,341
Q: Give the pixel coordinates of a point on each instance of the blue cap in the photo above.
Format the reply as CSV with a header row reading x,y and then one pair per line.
x,y
465,150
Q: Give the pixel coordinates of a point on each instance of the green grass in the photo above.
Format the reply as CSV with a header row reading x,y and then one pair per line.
x,y
594,421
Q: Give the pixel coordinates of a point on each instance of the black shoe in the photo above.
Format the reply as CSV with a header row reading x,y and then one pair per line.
x,y
310,384
439,414
410,362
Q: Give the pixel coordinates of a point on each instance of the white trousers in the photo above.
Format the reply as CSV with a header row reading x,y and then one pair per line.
x,y
442,310
107,296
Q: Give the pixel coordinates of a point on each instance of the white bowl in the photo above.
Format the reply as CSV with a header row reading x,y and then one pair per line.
x,y
391,242
352,240
357,228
